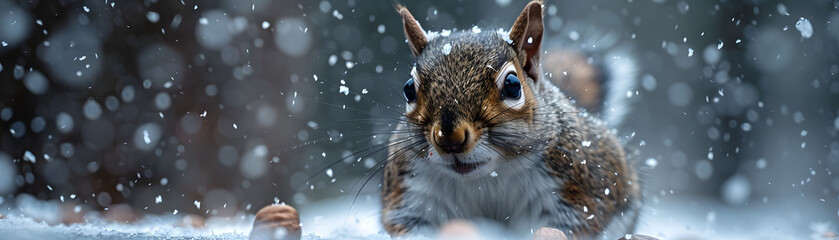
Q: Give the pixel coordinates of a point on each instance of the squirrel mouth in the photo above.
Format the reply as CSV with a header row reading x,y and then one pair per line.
x,y
464,168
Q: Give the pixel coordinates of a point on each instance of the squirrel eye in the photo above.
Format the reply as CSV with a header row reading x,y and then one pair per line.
x,y
410,91
512,87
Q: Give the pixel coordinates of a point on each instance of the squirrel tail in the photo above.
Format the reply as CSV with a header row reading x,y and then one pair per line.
x,y
597,69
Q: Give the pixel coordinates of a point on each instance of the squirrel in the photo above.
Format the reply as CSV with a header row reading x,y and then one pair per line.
x,y
487,136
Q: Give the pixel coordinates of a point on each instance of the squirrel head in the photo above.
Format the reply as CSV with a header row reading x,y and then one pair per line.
x,y
464,83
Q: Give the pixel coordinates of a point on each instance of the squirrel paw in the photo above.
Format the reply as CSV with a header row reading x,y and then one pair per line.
x,y
458,229
637,237
547,233
192,220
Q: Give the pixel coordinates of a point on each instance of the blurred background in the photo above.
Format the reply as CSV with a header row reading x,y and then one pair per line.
x,y
216,108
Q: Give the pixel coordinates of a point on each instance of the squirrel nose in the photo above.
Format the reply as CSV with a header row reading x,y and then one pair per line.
x,y
452,143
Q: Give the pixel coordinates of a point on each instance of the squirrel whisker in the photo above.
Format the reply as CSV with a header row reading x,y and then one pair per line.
x,y
381,166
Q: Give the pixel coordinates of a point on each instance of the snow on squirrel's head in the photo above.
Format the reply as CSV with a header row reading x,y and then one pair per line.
x,y
472,82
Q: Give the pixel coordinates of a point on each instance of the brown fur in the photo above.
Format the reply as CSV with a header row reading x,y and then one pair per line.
x,y
527,36
587,182
576,77
392,191
413,32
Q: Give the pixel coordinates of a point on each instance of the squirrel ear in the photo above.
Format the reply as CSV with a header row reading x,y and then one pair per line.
x,y
527,36
413,30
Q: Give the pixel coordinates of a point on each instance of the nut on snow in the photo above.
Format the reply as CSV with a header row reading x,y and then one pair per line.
x,y
279,222
547,233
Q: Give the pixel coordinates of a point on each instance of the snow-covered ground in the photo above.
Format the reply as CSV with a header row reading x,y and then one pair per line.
x,y
153,227
330,219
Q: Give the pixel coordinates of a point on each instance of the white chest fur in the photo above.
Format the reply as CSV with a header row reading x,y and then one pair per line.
x,y
521,195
